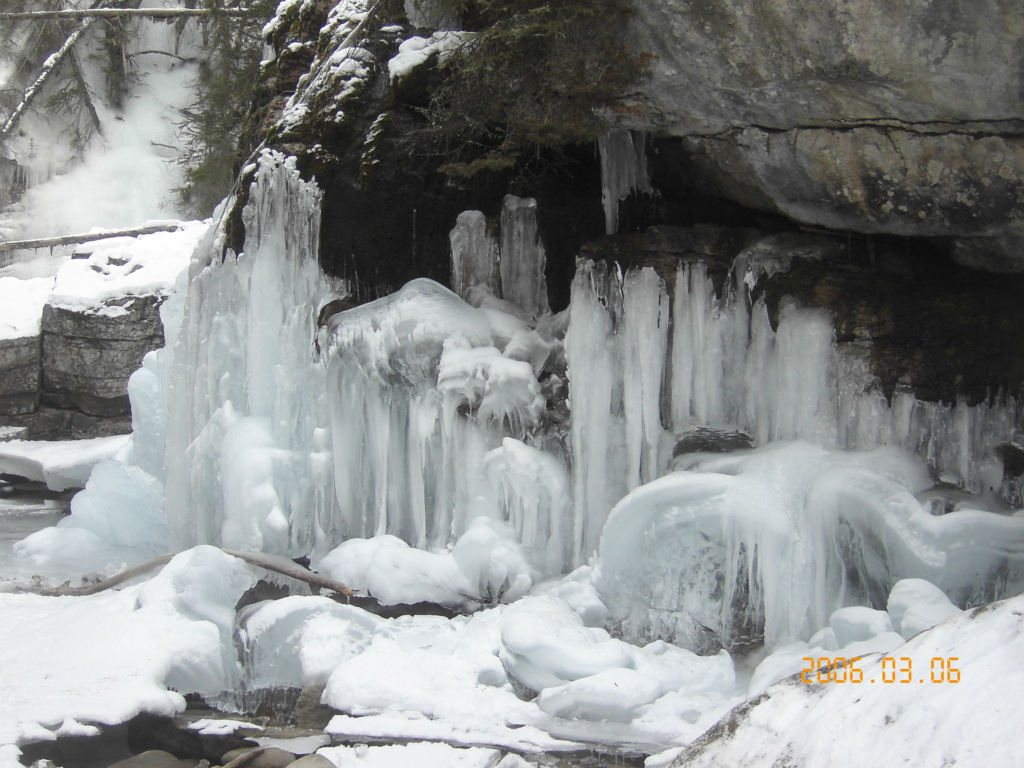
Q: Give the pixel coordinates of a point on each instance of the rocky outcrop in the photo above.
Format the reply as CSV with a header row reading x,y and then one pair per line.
x,y
902,118
19,375
88,356
71,380
920,322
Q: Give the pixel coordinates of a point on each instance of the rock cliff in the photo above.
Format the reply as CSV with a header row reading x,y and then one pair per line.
x,y
894,131
904,118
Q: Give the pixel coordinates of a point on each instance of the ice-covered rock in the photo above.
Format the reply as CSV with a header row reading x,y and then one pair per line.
x,y
614,694
117,521
788,525
916,605
545,644
858,623
299,640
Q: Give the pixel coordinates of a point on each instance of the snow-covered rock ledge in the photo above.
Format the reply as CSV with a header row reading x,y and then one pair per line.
x,y
69,344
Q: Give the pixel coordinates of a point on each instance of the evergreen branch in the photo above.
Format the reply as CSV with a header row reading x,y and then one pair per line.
x,y
49,67
76,67
113,13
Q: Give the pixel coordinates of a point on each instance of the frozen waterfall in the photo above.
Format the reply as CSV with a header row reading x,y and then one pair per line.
x,y
513,444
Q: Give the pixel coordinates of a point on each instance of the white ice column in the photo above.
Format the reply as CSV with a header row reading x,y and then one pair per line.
x,y
474,255
623,170
595,402
522,256
645,319
245,394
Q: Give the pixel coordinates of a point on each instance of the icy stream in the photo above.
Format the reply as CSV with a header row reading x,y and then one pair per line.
x,y
478,452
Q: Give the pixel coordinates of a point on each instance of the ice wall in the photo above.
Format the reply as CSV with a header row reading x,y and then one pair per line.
x,y
245,436
636,385
428,419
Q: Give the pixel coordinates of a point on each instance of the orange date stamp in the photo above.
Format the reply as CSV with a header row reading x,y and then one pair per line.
x,y
826,669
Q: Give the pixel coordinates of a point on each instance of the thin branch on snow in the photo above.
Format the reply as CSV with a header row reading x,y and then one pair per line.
x,y
277,564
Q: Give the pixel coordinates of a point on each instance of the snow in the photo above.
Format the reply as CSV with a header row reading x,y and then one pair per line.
x,y
423,755
125,266
923,723
614,694
415,51
22,302
107,657
484,563
208,727
915,605
60,465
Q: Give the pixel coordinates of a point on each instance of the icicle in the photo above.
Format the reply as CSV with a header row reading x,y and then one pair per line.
x,y
623,170
597,437
645,337
474,255
522,256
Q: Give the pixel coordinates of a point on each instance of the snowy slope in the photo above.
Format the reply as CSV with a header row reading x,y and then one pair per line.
x,y
972,722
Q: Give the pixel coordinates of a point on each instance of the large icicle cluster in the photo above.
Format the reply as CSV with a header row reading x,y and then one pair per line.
x,y
245,389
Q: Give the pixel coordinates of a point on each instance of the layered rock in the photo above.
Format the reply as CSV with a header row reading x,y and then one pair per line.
x,y
19,375
89,355
903,118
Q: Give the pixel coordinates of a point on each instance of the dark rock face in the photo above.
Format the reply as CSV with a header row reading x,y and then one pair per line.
x,y
902,118
19,375
925,323
87,358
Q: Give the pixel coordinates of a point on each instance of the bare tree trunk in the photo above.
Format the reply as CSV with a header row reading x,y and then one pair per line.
x,y
113,13
52,62
51,242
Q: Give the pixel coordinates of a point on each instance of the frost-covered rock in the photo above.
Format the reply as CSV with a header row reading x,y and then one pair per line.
x,y
964,674
544,644
614,694
916,605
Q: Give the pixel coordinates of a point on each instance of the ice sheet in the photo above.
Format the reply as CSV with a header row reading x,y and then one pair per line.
x,y
60,464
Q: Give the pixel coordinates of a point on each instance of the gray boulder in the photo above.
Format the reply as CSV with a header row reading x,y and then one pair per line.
x,y
901,118
19,375
87,356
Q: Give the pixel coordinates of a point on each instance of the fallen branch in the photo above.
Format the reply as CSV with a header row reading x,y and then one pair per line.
x,y
281,565
113,13
51,242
